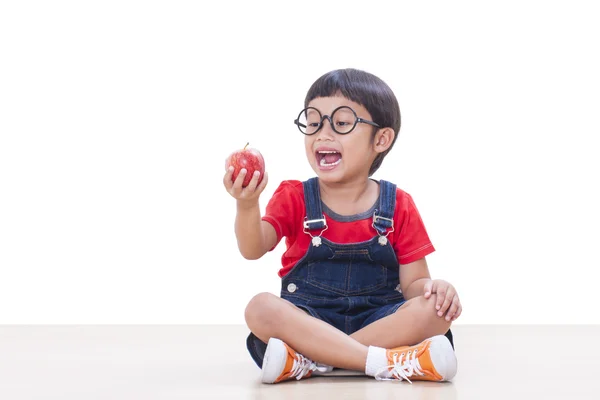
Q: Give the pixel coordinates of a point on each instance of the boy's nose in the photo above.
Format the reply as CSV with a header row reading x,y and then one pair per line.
x,y
326,130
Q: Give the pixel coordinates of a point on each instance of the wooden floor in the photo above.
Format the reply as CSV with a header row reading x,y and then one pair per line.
x,y
210,362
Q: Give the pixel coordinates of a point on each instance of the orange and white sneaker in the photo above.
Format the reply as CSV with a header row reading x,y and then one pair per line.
x,y
282,363
431,360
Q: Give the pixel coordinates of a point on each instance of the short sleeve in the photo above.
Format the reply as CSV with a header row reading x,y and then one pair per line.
x,y
412,242
283,209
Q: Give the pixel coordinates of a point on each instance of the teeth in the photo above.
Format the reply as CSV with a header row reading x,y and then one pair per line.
x,y
327,152
324,164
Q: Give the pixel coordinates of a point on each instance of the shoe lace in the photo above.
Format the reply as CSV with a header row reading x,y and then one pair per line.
x,y
302,366
403,367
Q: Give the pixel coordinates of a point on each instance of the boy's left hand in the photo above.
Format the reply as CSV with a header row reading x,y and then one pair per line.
x,y
447,298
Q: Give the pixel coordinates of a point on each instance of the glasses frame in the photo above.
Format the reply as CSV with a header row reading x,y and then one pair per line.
x,y
330,119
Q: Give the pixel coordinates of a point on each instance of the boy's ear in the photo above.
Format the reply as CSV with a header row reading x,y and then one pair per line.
x,y
384,139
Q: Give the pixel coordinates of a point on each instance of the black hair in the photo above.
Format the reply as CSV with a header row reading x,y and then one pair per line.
x,y
367,90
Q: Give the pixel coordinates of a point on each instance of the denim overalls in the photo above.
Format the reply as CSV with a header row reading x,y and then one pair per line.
x,y
350,285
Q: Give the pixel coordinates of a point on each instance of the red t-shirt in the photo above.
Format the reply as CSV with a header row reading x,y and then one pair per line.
x,y
286,212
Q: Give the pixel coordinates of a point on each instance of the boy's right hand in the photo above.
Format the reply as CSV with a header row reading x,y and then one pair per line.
x,y
244,195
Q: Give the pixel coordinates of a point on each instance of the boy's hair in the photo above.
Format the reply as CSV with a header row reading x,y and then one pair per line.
x,y
367,90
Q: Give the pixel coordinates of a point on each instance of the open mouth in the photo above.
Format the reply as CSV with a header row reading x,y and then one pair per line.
x,y
328,158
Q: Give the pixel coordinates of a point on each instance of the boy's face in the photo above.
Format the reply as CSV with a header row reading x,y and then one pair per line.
x,y
337,158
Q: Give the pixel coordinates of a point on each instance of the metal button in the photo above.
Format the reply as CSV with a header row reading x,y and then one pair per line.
x,y
292,288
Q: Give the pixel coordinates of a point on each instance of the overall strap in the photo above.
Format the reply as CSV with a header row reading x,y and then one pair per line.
x,y
314,212
383,217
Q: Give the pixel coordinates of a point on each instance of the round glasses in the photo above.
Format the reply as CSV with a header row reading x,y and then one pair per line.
x,y
343,120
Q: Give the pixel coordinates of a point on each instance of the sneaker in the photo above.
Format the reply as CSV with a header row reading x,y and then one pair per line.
x,y
282,363
431,360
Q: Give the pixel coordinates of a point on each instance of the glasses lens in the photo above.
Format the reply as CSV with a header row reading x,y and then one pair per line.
x,y
309,120
344,120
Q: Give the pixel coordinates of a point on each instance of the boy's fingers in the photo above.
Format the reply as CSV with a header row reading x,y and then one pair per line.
x,y
227,181
237,185
445,305
427,289
263,183
253,182
441,296
458,312
453,309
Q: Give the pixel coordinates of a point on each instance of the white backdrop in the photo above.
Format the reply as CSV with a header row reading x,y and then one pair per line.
x,y
116,118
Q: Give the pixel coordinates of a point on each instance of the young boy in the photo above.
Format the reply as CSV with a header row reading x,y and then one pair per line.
x,y
356,290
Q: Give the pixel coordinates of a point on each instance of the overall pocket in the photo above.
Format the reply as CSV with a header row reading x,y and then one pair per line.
x,y
349,272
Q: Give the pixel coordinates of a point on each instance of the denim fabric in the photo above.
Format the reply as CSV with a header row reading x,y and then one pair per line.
x,y
349,286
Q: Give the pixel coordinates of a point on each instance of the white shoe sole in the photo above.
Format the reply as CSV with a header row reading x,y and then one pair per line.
x,y
274,360
443,357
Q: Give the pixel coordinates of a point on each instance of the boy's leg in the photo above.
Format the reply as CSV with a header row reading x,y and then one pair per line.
x,y
415,321
269,316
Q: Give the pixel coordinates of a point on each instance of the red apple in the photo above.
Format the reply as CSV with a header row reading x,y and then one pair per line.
x,y
248,158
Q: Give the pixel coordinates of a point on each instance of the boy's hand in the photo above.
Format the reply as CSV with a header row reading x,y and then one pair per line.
x,y
248,194
447,298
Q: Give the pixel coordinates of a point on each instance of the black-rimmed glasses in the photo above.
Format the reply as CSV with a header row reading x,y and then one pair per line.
x,y
343,120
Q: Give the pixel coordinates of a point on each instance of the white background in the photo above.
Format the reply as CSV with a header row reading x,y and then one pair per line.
x,y
116,118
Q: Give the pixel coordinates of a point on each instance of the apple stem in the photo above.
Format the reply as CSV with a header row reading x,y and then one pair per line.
x,y
246,145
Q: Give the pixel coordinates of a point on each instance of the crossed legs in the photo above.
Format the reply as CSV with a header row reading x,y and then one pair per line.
x,y
269,316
